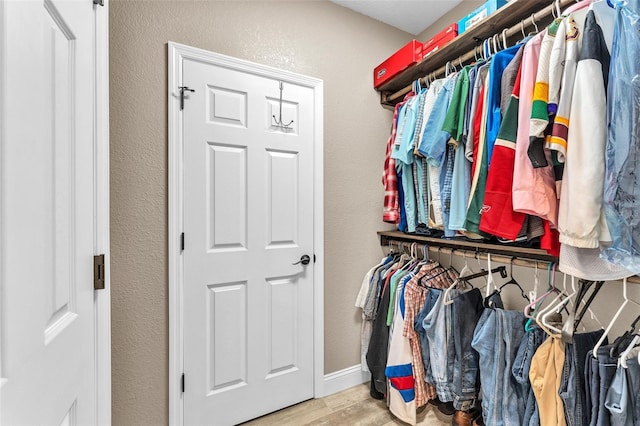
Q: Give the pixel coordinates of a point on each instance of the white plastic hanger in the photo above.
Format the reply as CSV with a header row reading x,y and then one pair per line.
x,y
622,360
554,309
463,273
489,278
615,317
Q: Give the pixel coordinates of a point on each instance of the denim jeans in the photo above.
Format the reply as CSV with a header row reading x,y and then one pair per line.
x,y
633,380
599,376
618,400
432,297
467,308
496,339
435,325
528,346
572,389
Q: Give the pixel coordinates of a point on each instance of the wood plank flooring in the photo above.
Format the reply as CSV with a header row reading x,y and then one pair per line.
x,y
353,406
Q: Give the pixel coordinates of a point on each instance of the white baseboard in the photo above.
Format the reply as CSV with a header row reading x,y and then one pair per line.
x,y
344,379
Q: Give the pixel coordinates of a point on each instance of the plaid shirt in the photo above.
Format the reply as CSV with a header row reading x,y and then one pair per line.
x,y
391,212
414,298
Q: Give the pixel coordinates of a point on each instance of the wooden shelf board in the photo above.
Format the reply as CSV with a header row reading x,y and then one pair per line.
x,y
521,252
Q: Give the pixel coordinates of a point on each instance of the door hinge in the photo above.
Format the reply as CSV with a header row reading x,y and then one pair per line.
x,y
182,242
182,383
98,272
182,90
99,2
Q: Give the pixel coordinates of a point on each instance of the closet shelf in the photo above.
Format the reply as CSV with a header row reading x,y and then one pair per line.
x,y
462,47
528,256
509,251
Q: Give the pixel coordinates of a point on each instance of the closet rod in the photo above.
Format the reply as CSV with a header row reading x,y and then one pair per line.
x,y
516,260
517,28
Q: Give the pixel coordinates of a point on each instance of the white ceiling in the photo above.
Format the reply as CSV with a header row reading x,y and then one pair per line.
x,y
412,16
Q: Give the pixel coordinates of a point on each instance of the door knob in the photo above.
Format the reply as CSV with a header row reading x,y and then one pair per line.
x,y
305,259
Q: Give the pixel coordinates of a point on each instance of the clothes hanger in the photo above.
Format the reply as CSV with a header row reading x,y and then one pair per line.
x,y
533,22
513,281
551,274
622,360
586,304
556,306
615,317
624,339
496,45
561,294
504,43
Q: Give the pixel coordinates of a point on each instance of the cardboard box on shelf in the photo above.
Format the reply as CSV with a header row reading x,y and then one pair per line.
x,y
479,14
439,40
407,56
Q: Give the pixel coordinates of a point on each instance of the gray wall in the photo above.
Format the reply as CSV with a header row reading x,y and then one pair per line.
x,y
315,38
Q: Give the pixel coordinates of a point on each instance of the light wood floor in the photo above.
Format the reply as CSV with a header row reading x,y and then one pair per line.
x,y
350,407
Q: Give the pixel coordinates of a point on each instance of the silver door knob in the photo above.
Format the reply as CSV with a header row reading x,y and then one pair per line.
x,y
305,259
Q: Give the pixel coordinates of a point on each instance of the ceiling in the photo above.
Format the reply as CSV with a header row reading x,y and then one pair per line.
x,y
412,16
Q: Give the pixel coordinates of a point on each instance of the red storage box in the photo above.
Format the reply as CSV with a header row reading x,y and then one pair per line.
x,y
410,54
440,39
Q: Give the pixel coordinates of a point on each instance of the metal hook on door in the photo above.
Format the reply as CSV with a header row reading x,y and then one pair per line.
x,y
278,121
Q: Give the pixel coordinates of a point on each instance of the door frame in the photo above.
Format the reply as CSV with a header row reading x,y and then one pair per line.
x,y
102,298
177,54
102,214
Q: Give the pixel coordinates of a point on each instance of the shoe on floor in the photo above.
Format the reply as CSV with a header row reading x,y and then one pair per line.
x,y
446,408
464,418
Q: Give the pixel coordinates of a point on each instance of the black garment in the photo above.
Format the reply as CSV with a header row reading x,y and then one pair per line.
x,y
378,346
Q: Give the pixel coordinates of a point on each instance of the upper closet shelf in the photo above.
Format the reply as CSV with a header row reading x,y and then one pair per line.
x,y
462,48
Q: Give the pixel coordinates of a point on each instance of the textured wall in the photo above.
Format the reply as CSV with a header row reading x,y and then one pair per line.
x,y
454,15
315,38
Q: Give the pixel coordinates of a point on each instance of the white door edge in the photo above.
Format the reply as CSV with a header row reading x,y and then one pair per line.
x,y
177,53
102,297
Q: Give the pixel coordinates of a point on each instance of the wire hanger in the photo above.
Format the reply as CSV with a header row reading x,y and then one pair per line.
x,y
278,121
615,317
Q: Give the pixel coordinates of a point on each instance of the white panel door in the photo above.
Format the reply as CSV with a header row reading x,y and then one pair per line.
x,y
47,217
248,216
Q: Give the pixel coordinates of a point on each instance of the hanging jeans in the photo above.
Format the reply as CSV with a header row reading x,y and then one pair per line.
x,y
572,389
618,400
599,374
467,308
529,344
496,339
633,378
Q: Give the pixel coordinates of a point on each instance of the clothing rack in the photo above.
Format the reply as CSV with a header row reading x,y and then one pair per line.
x,y
517,256
541,17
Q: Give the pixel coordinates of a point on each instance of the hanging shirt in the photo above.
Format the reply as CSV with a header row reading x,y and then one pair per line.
x,y
480,164
454,124
499,62
399,370
391,212
434,139
533,189
498,217
581,220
